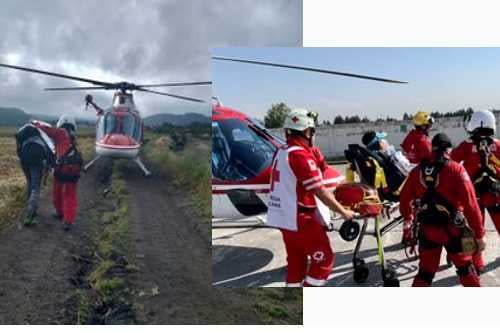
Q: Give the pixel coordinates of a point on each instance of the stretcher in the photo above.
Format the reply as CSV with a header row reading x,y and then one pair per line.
x,y
358,227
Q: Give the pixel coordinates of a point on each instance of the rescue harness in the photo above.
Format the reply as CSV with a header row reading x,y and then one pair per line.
x,y
72,158
485,180
434,209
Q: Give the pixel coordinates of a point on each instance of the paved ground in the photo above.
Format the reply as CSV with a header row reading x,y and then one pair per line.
x,y
256,257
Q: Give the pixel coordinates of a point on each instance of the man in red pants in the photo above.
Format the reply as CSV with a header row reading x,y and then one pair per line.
x,y
67,169
446,210
299,204
480,155
417,144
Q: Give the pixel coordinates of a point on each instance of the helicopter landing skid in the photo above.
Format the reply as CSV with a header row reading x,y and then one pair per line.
x,y
88,165
141,165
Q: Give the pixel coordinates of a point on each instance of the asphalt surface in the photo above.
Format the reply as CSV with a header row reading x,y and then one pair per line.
x,y
255,256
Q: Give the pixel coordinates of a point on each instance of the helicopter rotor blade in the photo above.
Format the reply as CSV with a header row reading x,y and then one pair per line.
x,y
174,96
78,88
64,76
311,69
177,84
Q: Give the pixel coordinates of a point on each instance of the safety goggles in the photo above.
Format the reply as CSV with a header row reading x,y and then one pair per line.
x,y
378,136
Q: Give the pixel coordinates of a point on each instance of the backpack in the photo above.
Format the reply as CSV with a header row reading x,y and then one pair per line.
x,y
29,135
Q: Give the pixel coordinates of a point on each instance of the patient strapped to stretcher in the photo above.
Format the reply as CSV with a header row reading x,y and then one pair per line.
x,y
378,165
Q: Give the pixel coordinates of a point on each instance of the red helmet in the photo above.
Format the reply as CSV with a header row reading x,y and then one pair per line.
x,y
360,198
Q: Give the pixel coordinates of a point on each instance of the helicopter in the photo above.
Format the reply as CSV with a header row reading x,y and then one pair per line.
x,y
243,151
119,128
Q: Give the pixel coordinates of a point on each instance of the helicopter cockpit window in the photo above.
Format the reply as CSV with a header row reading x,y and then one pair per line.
x,y
238,152
126,123
131,126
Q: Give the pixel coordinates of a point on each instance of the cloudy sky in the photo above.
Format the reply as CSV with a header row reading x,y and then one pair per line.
x,y
138,41
440,79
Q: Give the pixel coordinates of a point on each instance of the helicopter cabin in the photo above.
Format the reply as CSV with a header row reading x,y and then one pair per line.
x,y
121,119
241,149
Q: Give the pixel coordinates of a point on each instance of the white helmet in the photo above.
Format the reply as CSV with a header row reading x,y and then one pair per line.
x,y
66,119
481,119
300,119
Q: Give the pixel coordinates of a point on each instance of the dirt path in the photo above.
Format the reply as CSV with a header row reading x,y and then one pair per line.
x,y
172,249
174,255
37,264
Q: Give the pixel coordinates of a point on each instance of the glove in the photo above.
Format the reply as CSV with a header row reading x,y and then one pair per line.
x,y
409,241
407,236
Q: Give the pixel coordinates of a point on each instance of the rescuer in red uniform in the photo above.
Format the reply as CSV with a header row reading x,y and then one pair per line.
x,y
417,144
480,155
446,213
299,204
67,169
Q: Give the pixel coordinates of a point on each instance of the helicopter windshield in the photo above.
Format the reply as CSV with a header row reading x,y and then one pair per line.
x,y
124,123
238,152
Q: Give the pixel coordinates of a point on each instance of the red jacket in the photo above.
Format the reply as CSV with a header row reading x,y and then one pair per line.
x,y
417,146
466,152
62,140
308,165
454,185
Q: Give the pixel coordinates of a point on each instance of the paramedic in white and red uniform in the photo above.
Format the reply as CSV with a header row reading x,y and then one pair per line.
x,y
299,204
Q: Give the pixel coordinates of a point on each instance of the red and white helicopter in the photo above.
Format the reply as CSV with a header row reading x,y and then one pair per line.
x,y
242,153
119,128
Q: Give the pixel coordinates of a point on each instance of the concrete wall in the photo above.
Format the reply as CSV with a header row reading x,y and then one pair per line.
x,y
332,140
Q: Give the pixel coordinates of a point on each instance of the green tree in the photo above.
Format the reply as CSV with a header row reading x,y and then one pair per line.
x,y
338,120
275,116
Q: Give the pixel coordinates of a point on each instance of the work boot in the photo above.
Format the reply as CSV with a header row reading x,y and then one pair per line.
x,y
30,219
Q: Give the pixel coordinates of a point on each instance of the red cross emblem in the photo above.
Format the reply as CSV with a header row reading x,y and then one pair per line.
x,y
295,119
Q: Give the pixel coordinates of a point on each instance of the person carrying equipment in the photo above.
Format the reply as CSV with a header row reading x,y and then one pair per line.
x,y
480,155
67,169
37,155
417,145
439,198
299,203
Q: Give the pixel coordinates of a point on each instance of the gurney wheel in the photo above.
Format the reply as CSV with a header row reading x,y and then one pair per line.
x,y
361,273
349,230
390,279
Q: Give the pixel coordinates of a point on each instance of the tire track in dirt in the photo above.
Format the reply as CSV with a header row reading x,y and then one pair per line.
x,y
37,263
173,254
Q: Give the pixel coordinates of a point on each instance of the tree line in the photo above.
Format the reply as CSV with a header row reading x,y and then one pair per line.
x,y
276,114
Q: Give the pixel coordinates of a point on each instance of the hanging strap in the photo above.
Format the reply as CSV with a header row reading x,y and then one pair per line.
x,y
430,173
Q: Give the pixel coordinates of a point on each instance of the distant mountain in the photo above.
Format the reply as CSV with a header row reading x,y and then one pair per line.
x,y
13,117
176,119
16,117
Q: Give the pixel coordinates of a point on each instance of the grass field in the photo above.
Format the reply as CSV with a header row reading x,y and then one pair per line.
x,y
189,167
12,181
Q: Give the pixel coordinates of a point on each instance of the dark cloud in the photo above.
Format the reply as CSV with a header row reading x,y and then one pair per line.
x,y
139,41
